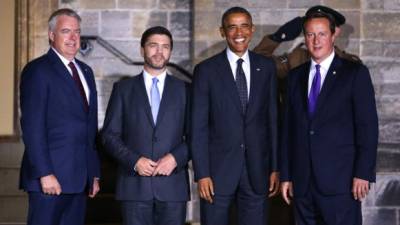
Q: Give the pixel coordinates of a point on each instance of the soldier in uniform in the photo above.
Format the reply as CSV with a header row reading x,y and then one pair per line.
x,y
284,63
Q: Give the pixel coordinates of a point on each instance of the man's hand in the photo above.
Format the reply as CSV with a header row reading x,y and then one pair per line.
x,y
288,31
273,184
206,189
287,191
360,188
145,166
95,188
50,185
165,166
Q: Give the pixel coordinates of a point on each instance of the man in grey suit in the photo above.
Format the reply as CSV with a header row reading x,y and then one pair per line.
x,y
144,130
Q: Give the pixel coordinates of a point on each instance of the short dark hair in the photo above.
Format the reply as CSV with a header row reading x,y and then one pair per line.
x,y
62,12
233,10
155,30
314,15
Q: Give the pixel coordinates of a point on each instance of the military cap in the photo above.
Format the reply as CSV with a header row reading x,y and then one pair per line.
x,y
339,18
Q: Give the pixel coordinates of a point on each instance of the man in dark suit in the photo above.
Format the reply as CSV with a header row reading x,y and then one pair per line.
x,y
144,130
59,126
330,132
234,127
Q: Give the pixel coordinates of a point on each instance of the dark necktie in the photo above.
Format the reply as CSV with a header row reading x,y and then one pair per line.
x,y
314,92
78,83
155,99
241,85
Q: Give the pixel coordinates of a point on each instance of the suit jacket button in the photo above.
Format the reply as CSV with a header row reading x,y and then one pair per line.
x,y
312,132
242,146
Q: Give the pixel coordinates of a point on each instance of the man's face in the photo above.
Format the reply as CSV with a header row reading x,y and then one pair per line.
x,y
238,31
319,39
65,37
156,52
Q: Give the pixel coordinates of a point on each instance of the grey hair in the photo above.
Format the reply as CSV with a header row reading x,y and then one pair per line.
x,y
62,12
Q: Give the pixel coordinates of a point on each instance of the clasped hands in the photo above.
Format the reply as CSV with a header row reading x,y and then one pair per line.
x,y
163,167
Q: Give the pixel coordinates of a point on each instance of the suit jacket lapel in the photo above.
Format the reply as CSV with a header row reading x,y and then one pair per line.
x,y
63,72
328,84
304,86
255,83
145,99
228,82
166,98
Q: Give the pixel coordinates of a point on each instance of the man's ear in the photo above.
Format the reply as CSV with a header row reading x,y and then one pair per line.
x,y
222,32
51,35
337,31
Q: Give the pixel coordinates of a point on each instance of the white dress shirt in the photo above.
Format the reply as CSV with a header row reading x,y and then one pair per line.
x,y
81,76
233,58
323,70
148,82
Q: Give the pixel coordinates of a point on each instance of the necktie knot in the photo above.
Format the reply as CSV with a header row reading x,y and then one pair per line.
x,y
155,81
240,62
317,67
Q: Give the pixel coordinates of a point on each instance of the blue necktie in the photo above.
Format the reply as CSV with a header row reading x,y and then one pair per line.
x,y
155,99
241,85
314,92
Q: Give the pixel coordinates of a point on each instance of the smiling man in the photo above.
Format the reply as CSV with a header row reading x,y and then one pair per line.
x,y
145,131
59,126
234,127
330,132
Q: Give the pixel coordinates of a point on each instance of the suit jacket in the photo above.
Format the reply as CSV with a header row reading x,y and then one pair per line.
x,y
222,137
59,135
340,141
129,133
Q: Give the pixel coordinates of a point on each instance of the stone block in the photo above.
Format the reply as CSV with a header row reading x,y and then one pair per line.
x,y
10,186
206,25
204,4
116,24
387,191
137,4
384,71
391,49
391,4
143,20
305,4
388,161
180,24
181,51
340,4
90,23
98,4
380,26
375,216
279,17
389,131
13,209
371,48
11,154
175,4
255,4
388,106
372,4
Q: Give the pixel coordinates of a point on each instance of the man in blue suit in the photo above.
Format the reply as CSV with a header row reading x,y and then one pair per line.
x,y
234,127
330,132
145,131
59,126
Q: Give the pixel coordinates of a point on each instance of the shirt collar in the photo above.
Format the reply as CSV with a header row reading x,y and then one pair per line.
x,y
63,59
326,63
149,77
232,57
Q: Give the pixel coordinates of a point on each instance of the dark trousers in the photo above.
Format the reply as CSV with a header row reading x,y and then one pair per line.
x,y
153,213
64,209
251,207
317,209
